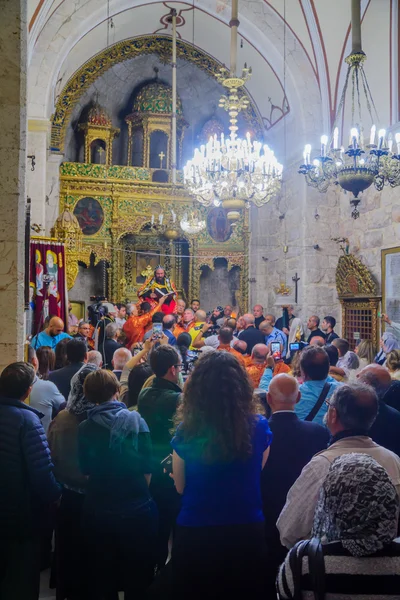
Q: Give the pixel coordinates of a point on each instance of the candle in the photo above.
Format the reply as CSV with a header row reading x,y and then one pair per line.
x,y
307,151
354,137
324,141
160,218
336,138
397,138
390,144
372,136
381,136
152,219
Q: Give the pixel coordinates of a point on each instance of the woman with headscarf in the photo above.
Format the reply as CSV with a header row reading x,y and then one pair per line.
x,y
69,572
119,515
388,342
356,517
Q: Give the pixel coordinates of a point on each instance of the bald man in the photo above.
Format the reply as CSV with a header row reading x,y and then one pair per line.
x,y
50,336
200,319
295,443
386,429
317,341
250,334
256,367
119,360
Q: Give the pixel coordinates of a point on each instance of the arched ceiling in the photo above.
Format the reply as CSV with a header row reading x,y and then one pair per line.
x,y
314,35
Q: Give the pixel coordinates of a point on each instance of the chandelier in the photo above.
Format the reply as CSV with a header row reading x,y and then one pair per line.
x,y
365,161
231,171
192,223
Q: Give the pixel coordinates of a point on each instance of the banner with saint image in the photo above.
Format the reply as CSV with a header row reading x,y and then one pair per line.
x,y
47,287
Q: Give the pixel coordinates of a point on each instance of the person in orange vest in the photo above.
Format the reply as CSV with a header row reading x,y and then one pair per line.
x,y
225,337
135,326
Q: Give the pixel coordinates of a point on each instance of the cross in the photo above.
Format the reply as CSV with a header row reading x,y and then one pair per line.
x,y
296,280
162,156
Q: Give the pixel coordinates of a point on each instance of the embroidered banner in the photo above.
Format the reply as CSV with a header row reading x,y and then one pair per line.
x,y
47,287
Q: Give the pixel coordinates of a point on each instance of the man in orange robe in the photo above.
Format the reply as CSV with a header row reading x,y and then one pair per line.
x,y
135,326
256,367
185,324
225,337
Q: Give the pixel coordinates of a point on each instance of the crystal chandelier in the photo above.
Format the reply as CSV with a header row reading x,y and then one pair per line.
x,y
233,172
365,161
192,223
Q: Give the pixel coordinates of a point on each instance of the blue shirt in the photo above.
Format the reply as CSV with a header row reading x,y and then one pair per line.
x,y
277,336
43,339
310,392
223,493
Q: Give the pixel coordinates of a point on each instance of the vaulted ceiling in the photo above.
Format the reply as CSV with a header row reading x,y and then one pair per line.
x,y
314,35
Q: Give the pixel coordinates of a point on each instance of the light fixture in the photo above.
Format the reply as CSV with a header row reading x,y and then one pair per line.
x,y
364,161
230,171
192,223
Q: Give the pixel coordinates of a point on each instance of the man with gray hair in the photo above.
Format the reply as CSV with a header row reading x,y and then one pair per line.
x,y
250,334
94,358
120,358
295,443
352,410
110,345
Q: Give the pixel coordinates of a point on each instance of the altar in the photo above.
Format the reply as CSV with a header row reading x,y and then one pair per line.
x,y
120,221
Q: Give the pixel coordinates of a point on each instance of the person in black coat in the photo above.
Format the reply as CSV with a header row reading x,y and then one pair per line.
x,y
76,356
294,444
386,429
28,485
110,345
251,335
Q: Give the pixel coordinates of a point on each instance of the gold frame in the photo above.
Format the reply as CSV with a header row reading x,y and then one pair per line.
x,y
128,199
384,253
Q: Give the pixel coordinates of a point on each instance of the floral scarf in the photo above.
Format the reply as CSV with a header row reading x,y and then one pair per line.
x,y
358,505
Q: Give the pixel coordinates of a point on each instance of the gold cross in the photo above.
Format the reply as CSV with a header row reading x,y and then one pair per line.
x,y
162,156
100,150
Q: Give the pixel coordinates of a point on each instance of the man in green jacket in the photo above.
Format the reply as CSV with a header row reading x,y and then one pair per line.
x,y
157,405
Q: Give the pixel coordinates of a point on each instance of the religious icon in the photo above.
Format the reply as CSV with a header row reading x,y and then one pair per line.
x,y
218,225
52,270
39,273
90,215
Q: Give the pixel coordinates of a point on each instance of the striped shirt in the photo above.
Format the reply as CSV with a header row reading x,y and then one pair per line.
x,y
347,577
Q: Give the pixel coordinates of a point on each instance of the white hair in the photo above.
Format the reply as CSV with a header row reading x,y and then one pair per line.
x,y
120,358
94,357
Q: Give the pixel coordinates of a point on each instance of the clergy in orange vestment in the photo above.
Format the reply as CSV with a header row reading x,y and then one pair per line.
x,y
256,366
225,337
135,326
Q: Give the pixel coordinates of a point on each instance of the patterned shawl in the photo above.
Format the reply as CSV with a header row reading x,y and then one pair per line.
x,y
77,403
358,505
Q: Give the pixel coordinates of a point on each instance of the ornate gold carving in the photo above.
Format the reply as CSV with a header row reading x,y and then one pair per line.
x,y
67,230
119,52
353,279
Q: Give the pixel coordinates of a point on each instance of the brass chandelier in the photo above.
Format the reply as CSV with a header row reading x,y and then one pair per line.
x,y
364,161
230,171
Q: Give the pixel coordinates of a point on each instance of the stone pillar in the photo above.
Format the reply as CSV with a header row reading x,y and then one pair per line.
x,y
52,198
13,65
38,130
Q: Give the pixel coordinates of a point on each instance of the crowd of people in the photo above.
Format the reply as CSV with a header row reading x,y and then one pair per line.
x,y
194,454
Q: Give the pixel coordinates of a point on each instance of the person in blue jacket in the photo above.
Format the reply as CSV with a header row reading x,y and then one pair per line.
x,y
28,485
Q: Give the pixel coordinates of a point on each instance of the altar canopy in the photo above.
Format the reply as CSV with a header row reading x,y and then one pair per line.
x,y
47,285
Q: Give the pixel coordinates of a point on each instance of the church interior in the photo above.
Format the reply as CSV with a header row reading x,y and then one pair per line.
x,y
94,88
250,148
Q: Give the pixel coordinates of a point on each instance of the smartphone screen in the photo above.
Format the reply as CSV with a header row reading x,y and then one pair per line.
x,y
294,347
157,330
275,347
